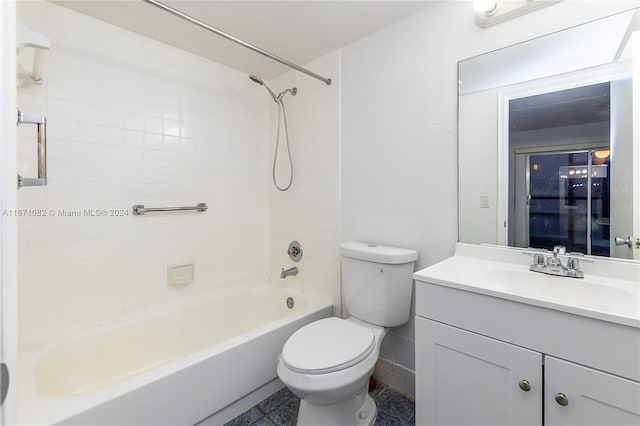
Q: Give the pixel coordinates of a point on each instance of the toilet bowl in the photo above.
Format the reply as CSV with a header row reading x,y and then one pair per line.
x,y
328,363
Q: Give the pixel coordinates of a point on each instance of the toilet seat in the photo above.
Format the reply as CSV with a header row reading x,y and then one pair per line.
x,y
327,346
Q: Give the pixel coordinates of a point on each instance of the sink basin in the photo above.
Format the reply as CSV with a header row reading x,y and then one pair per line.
x,y
610,290
575,291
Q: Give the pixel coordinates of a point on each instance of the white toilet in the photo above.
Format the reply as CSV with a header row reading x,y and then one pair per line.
x,y
328,363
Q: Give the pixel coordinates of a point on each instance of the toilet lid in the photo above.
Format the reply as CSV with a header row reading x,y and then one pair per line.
x,y
327,345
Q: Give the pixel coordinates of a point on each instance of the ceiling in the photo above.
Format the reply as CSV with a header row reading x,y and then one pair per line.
x,y
570,107
298,31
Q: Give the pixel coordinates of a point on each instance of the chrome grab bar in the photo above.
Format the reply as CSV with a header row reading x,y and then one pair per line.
x,y
140,209
41,124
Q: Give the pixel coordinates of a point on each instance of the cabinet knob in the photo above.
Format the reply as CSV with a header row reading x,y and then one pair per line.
x,y
562,399
524,385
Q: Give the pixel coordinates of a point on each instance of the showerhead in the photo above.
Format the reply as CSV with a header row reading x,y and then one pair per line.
x,y
258,80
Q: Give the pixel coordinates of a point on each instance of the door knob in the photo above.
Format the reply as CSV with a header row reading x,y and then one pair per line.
x,y
562,399
623,241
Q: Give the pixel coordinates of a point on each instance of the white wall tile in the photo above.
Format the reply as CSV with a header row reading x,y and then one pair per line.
x,y
133,138
171,111
410,388
86,133
86,113
153,141
171,128
397,382
60,108
306,212
127,128
60,128
111,136
381,374
111,118
394,375
153,124
133,121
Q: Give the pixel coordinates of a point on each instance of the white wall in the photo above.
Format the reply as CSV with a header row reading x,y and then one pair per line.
x,y
131,121
309,212
399,127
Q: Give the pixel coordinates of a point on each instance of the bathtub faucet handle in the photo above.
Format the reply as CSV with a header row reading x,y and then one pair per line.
x,y
295,251
287,272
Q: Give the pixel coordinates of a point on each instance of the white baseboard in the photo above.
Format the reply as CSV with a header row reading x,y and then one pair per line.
x,y
396,376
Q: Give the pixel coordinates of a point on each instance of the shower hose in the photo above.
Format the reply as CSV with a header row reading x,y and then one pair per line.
x,y
282,113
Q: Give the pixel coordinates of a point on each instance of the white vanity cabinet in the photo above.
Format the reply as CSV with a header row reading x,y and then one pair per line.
x,y
499,345
468,379
592,397
464,378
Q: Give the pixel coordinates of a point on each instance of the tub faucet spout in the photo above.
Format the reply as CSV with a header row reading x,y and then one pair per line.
x,y
286,272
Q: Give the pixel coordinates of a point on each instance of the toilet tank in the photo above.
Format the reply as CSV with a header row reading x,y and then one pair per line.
x,y
377,282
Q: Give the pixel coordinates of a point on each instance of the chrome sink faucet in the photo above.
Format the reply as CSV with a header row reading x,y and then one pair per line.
x,y
553,264
287,272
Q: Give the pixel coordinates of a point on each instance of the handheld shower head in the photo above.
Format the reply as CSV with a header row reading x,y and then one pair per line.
x,y
281,113
258,80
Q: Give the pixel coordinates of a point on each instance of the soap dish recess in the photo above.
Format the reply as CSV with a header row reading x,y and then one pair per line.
x,y
181,274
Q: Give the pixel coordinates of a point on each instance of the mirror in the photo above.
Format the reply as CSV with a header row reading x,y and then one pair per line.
x,y
547,141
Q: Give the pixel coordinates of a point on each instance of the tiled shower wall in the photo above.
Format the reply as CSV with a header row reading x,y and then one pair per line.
x,y
309,212
131,120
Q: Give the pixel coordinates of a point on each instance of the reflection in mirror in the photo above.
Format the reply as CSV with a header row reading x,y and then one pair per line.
x,y
547,142
558,184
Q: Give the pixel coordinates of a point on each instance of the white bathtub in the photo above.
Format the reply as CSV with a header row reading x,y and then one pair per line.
x,y
174,368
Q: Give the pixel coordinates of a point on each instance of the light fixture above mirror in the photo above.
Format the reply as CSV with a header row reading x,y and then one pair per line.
x,y
492,12
485,6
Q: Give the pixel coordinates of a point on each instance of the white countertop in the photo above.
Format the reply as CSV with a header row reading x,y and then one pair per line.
x,y
610,290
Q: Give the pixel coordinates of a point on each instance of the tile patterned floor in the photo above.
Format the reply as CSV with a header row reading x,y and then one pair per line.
x,y
281,409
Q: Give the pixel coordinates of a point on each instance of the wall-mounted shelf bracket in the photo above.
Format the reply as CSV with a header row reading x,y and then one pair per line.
x,y
26,38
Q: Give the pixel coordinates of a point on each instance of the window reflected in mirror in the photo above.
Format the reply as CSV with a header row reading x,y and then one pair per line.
x,y
559,157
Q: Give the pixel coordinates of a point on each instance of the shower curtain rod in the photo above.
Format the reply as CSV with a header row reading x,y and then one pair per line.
x,y
236,40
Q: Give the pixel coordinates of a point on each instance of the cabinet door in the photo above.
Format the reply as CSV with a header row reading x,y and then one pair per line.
x,y
463,378
591,397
